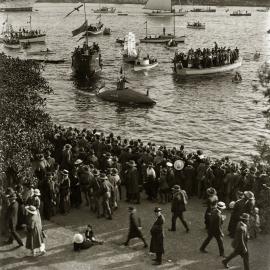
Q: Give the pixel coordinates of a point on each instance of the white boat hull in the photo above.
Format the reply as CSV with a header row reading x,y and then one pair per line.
x,y
12,46
40,53
39,39
163,40
208,71
142,67
94,33
167,14
196,27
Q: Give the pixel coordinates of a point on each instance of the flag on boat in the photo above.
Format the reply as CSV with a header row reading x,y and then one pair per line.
x,y
76,8
79,30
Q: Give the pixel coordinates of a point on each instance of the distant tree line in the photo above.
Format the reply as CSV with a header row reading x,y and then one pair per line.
x,y
183,2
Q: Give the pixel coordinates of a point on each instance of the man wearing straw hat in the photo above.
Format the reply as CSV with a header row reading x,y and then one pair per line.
x,y
178,207
240,242
214,228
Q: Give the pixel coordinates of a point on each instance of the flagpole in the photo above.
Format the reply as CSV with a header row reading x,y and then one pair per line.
x,y
30,23
86,36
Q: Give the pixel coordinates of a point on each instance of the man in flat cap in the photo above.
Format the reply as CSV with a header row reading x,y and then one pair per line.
x,y
134,227
157,236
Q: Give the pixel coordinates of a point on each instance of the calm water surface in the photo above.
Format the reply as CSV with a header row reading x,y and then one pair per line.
x,y
212,114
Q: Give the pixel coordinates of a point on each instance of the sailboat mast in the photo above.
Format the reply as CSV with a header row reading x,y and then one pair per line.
x,y
146,28
174,23
86,33
30,23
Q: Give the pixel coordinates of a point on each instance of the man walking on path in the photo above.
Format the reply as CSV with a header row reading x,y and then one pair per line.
x,y
214,228
134,227
157,245
240,242
179,202
12,217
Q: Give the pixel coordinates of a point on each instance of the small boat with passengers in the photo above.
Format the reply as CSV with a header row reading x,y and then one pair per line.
x,y
41,52
206,62
124,95
105,10
163,38
31,35
171,44
163,8
120,13
263,9
11,42
95,29
209,9
145,63
240,13
196,25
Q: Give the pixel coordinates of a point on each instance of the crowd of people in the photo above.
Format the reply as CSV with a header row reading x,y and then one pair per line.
x,y
205,58
88,166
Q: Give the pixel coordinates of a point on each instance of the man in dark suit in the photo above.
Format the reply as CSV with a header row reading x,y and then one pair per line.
x,y
12,216
240,242
238,210
134,227
132,183
178,207
214,228
157,237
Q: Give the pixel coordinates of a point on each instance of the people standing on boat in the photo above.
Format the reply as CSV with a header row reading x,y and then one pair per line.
x,y
206,58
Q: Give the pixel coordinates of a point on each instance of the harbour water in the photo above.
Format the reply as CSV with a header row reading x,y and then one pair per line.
x,y
212,114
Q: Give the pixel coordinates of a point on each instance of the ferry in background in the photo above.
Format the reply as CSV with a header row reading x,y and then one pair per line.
x,y
16,5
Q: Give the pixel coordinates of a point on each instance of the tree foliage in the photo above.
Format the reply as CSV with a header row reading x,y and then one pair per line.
x,y
24,125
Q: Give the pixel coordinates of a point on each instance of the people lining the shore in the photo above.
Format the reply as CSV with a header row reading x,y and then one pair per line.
x,y
205,58
85,166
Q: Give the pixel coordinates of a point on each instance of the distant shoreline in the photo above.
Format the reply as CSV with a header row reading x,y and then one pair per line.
x,y
245,3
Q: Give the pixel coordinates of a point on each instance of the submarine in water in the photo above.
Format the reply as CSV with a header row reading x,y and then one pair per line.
x,y
124,95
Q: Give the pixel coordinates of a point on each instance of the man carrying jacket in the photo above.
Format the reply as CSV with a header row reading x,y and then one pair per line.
x,y
240,242
178,207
